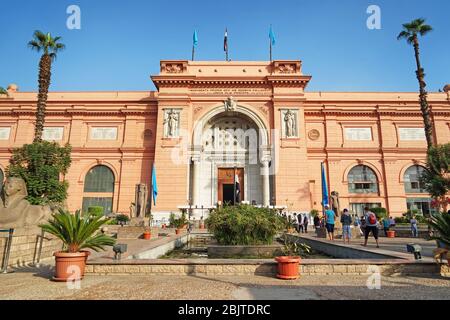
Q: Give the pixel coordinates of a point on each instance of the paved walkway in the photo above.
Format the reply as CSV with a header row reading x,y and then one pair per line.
x,y
35,284
390,244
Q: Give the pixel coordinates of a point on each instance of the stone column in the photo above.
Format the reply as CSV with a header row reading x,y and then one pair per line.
x,y
265,182
195,181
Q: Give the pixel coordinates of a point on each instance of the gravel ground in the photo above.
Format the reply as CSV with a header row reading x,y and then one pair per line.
x,y
35,284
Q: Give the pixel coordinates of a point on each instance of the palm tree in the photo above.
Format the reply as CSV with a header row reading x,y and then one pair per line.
x,y
3,91
50,47
410,32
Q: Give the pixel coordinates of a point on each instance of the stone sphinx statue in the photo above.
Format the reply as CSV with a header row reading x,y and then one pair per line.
x,y
15,210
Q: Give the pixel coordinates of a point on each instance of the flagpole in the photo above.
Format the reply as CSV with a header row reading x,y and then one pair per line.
x,y
193,52
270,46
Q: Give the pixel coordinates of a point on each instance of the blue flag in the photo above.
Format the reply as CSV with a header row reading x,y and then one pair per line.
x,y
325,200
195,38
154,185
272,36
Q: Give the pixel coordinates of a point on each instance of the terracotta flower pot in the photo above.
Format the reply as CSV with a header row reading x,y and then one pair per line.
x,y
391,234
70,266
177,231
202,226
147,235
163,226
288,267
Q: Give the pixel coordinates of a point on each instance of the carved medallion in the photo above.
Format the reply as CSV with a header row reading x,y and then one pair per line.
x,y
313,134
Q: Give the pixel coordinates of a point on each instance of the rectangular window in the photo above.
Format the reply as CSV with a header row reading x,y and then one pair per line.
x,y
4,133
422,205
105,202
412,134
53,133
363,187
107,133
358,134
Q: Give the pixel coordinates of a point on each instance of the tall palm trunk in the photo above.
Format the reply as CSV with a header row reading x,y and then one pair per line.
x,y
45,65
423,97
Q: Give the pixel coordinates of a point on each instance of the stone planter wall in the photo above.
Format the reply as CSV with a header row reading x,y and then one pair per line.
x,y
231,267
244,251
25,246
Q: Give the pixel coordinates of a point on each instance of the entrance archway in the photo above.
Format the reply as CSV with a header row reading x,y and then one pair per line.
x,y
230,141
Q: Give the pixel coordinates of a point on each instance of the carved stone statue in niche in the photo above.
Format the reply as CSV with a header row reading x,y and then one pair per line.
x,y
172,121
335,206
289,120
15,210
141,200
230,104
132,210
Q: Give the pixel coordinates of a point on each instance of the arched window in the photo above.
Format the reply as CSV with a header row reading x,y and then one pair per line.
x,y
362,179
99,189
412,179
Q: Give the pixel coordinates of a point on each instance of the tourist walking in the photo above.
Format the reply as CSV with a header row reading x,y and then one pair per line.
x,y
346,221
300,222
414,228
391,222
329,222
371,226
305,223
386,225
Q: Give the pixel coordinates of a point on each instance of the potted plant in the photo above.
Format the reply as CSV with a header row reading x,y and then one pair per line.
x,y
390,233
147,233
177,223
288,263
290,227
440,225
77,232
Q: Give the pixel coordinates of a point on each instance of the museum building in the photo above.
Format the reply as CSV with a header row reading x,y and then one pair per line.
x,y
211,125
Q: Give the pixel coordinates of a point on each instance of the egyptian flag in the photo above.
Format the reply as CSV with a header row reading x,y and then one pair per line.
x,y
238,188
225,41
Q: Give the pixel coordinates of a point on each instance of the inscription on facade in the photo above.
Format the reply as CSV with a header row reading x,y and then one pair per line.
x,y
358,134
53,133
107,133
411,134
4,133
231,91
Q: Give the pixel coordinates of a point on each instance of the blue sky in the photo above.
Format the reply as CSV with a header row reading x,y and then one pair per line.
x,y
121,42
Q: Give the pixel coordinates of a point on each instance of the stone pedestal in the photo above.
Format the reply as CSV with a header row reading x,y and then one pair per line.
x,y
139,222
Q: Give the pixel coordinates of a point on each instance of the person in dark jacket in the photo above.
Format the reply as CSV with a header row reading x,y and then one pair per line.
x,y
316,221
305,223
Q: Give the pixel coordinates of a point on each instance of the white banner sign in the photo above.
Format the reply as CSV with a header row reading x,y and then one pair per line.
x,y
108,133
359,134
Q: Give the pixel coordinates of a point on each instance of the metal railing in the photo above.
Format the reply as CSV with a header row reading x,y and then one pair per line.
x,y
7,250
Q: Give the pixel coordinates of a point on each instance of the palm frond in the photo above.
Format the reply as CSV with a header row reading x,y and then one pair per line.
x,y
78,231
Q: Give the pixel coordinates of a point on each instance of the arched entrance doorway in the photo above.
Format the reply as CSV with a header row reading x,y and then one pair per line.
x,y
230,159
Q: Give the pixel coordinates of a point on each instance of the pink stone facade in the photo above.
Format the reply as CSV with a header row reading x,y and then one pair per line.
x,y
129,131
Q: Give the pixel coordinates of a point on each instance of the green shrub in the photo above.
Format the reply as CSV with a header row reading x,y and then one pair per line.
x,y
95,211
122,218
41,164
379,212
314,212
244,225
441,226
